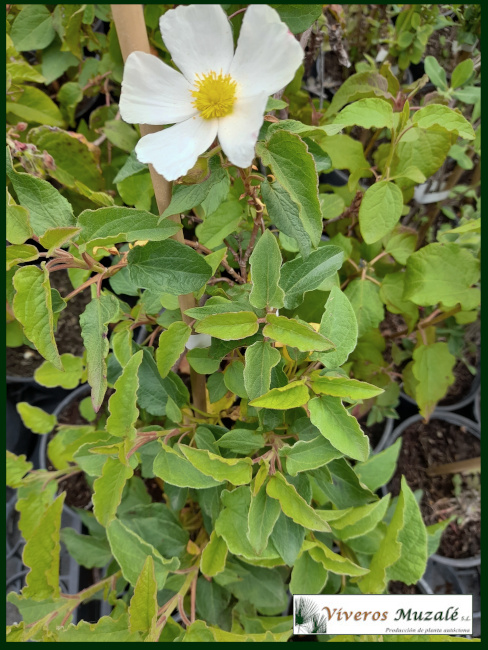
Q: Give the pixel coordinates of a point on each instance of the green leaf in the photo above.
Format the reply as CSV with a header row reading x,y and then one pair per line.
x,y
391,293
298,17
359,521
185,197
402,554
229,326
237,471
433,371
293,505
436,143
41,554
220,224
232,522
171,345
131,167
120,134
261,357
263,513
300,276
286,397
339,325
346,490
122,404
94,320
20,71
274,104
35,418
435,72
287,537
56,237
108,490
265,264
47,208
241,441
442,273
357,86
86,550
378,470
131,552
368,113
401,244
200,362
462,73
234,379
174,468
154,391
17,468
69,377
285,215
307,576
297,335
143,608
18,224
33,309
294,168
365,300
308,454
343,387
213,556
333,562
168,267
380,210
434,534
75,159
447,118
108,226
149,519
32,29
34,106
105,629
339,427
20,254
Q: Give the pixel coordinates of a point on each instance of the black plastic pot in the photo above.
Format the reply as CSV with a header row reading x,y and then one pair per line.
x,y
477,406
473,429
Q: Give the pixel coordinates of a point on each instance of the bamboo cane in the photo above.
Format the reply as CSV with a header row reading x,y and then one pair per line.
x,y
459,467
132,34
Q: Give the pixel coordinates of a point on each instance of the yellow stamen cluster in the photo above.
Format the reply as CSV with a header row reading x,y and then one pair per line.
x,y
215,95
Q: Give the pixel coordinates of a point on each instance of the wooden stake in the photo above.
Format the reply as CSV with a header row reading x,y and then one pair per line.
x,y
132,34
459,467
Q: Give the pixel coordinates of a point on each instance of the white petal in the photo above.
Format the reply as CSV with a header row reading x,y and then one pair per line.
x,y
175,150
239,131
267,54
199,38
154,93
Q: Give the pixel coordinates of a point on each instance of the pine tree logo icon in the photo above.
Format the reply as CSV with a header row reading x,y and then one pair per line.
x,y
308,619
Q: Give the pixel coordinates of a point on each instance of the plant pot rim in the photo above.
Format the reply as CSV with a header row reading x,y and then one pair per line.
x,y
453,418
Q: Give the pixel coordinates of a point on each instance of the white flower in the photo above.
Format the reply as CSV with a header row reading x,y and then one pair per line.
x,y
219,93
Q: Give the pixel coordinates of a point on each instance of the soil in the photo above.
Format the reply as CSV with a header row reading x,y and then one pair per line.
x,y
397,587
23,361
436,443
374,432
461,386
